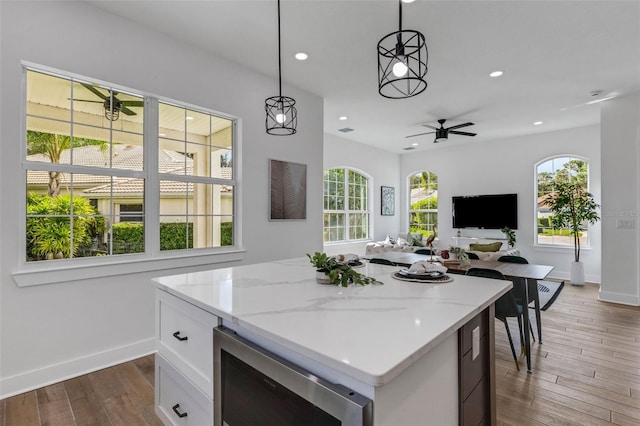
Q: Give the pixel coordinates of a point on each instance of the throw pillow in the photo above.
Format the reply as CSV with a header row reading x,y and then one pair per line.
x,y
402,242
415,240
486,247
390,240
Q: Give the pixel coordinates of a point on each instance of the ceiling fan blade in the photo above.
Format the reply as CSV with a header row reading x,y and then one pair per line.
x,y
127,111
87,100
132,103
95,91
419,134
430,126
455,132
457,126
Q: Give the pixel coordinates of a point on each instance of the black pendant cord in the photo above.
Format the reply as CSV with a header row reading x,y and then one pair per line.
x,y
399,22
279,56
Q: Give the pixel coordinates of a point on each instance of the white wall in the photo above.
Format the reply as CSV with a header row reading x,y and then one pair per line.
x,y
49,332
382,167
507,166
620,200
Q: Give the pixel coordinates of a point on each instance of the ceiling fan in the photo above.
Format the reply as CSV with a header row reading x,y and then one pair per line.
x,y
112,105
442,133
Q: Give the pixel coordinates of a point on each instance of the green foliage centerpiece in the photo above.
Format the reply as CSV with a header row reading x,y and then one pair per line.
x,y
338,273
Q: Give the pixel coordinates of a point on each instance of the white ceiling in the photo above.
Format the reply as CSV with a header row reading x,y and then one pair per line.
x,y
553,53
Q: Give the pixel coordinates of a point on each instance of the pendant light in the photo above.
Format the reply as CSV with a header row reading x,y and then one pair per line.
x,y
402,63
282,117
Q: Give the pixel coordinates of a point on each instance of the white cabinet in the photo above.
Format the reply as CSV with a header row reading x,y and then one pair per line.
x,y
184,362
178,401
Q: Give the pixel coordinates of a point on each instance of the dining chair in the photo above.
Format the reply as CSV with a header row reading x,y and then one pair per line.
x,y
505,307
424,251
534,295
381,261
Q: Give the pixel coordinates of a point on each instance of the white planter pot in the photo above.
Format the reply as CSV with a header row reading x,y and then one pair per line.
x,y
577,273
322,277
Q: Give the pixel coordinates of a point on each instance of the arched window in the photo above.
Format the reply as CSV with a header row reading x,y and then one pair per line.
x,y
423,202
549,171
346,205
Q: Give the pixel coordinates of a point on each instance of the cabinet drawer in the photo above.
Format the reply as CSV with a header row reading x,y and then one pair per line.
x,y
184,334
176,397
473,370
476,408
480,320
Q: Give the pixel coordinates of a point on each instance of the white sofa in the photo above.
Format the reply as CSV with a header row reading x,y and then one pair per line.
x,y
385,246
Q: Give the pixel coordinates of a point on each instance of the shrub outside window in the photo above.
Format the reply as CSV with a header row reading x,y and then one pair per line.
x,y
87,186
346,206
423,202
557,169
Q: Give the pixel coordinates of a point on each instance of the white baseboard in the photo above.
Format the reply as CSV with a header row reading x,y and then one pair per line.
x,y
625,299
54,373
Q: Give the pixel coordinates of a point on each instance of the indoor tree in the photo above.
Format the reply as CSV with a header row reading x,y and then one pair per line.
x,y
572,207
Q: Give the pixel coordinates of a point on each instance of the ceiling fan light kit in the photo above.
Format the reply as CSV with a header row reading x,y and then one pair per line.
x,y
111,104
402,63
282,117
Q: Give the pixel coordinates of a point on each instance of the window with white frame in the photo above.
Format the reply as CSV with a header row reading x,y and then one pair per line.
x,y
91,172
346,205
423,202
548,172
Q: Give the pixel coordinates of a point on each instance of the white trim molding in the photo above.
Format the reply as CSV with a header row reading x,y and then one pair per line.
x,y
54,373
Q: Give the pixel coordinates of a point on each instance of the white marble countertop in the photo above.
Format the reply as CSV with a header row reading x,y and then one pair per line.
x,y
370,333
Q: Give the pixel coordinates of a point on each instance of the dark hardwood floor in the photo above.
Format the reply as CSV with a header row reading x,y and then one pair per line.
x,y
587,372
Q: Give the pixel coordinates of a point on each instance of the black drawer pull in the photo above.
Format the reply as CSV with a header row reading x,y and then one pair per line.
x,y
175,410
177,336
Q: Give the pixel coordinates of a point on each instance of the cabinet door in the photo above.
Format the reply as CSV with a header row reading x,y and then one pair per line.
x,y
178,401
184,336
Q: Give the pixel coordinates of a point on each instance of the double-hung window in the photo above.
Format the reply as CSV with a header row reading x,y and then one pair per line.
x,y
423,202
346,205
113,172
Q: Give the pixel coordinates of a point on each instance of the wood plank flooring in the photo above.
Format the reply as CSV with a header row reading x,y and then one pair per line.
x,y
118,395
587,372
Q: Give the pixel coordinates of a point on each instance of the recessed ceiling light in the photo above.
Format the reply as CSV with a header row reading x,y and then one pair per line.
x,y
189,117
342,117
415,144
537,123
162,134
408,1
301,56
496,74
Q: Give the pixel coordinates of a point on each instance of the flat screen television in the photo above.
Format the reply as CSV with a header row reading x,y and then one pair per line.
x,y
485,211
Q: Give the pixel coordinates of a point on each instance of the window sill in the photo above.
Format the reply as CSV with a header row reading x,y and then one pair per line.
x,y
558,248
52,274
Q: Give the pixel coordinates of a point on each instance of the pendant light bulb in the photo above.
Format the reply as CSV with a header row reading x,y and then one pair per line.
x,y
400,68
281,118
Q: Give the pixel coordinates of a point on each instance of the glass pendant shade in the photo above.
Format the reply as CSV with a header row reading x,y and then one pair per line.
x,y
402,63
282,117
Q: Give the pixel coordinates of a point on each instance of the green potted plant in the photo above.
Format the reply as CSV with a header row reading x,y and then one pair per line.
x,y
510,235
572,207
461,254
330,271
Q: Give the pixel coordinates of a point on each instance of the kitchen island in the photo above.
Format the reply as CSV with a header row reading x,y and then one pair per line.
x,y
401,344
